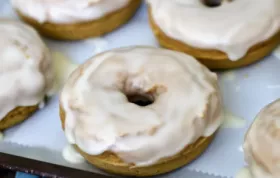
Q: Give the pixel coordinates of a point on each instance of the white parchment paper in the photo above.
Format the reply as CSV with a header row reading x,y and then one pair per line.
x,y
245,92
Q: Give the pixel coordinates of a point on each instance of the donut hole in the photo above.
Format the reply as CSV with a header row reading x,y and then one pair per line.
x,y
140,99
212,3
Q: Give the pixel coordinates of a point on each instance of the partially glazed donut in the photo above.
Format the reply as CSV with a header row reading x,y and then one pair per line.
x,y
141,111
262,143
220,34
75,19
26,73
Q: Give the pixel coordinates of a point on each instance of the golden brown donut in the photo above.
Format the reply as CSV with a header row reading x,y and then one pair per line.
x,y
217,36
262,143
78,31
215,59
26,72
133,123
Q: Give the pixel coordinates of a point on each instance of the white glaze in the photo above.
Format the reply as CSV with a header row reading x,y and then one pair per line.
x,y
233,121
25,71
67,11
228,76
99,117
232,27
63,67
262,143
71,155
244,173
98,44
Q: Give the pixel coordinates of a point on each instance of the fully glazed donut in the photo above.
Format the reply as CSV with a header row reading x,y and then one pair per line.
x,y
141,111
231,34
75,19
25,72
262,143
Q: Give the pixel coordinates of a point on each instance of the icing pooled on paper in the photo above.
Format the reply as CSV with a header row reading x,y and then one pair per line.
x,y
233,27
71,155
67,11
232,121
262,143
244,173
63,67
185,104
99,44
228,76
25,67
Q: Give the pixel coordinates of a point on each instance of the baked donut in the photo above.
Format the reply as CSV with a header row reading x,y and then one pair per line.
x,y
75,19
221,34
262,143
141,111
25,72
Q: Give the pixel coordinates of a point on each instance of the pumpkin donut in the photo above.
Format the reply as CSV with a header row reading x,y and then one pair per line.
x,y
220,34
141,111
75,19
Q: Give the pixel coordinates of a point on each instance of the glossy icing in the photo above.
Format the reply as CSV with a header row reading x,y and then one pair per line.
x,y
262,143
26,73
233,27
67,11
99,117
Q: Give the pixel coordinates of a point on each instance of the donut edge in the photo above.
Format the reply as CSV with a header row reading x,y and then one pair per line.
x,y
111,163
17,115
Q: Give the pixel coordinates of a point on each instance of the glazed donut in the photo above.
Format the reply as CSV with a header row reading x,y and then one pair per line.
x,y
220,34
25,72
141,111
262,143
74,20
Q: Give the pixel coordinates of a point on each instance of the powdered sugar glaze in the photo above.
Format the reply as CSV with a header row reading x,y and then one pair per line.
x,y
99,118
233,27
262,143
67,11
25,67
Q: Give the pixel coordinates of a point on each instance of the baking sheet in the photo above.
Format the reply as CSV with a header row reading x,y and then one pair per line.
x,y
245,92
